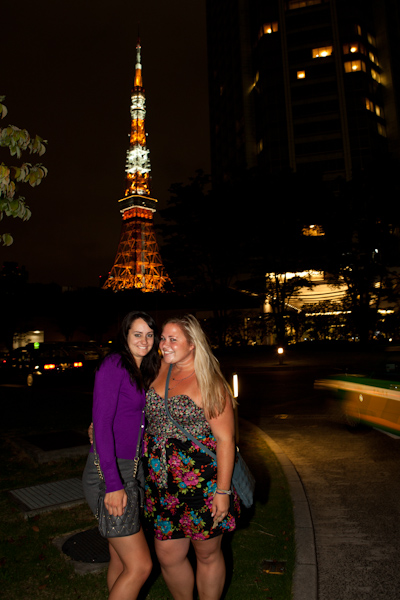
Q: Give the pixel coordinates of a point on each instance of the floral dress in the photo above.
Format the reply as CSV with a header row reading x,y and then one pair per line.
x,y
180,477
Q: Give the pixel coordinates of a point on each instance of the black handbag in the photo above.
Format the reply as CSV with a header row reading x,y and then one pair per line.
x,y
242,478
129,523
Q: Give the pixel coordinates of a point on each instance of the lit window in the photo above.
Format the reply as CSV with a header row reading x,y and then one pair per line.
x,y
260,146
269,28
350,48
302,3
256,78
373,58
381,130
375,75
369,105
378,110
322,52
313,230
358,29
353,48
371,39
354,65
301,74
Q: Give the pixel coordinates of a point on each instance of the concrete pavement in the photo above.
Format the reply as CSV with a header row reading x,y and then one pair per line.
x,y
305,579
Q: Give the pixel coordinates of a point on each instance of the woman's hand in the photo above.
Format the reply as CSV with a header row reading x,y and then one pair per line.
x,y
223,428
220,507
115,502
90,433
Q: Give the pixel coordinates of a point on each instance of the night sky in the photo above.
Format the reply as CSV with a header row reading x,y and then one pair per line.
x,y
67,70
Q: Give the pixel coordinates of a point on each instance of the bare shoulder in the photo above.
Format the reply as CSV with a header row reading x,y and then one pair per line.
x,y
159,382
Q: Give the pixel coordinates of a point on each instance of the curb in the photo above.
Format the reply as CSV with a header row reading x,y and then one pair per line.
x,y
305,577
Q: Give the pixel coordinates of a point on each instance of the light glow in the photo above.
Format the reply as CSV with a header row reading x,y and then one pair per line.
x,y
235,382
322,52
138,168
137,263
354,65
375,75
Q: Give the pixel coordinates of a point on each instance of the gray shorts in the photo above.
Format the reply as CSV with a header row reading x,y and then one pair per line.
x,y
91,479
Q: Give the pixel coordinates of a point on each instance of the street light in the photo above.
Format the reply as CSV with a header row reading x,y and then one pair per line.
x,y
235,387
280,351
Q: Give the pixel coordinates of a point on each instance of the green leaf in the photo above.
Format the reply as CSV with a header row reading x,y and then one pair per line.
x,y
14,205
3,109
7,239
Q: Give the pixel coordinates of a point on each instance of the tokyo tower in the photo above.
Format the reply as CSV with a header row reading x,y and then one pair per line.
x,y
138,262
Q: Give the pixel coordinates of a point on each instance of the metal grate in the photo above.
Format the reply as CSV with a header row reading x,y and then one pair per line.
x,y
49,496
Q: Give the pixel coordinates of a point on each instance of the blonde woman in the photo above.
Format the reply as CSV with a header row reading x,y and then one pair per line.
x,y
189,499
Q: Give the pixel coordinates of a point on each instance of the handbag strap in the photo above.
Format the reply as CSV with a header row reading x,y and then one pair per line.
x,y
178,425
135,460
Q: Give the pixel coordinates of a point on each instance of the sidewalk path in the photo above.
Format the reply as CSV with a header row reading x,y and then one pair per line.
x,y
306,574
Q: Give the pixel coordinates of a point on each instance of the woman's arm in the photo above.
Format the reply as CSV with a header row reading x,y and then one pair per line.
x,y
223,429
105,403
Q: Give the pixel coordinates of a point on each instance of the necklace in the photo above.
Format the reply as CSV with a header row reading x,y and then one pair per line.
x,y
179,380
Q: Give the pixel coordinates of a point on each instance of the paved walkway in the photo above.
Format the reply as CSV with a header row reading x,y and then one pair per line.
x,y
305,579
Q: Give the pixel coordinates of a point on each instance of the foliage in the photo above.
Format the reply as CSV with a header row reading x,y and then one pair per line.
x,y
17,141
325,320
280,288
235,233
280,256
205,243
200,235
363,234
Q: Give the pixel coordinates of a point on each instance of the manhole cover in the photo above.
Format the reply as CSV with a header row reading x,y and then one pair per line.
x,y
87,546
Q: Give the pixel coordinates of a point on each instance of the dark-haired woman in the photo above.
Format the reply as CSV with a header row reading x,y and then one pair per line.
x,y
118,404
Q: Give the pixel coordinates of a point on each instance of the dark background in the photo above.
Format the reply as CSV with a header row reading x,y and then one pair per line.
x,y
67,70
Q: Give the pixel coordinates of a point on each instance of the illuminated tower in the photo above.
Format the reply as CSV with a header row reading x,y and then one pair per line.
x,y
138,262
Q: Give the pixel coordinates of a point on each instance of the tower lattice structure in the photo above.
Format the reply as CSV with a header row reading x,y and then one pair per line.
x,y
138,262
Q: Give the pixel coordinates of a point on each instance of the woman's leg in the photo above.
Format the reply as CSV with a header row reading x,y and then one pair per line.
x,y
133,555
175,567
115,567
210,573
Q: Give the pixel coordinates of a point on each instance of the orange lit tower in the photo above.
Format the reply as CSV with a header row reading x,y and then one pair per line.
x,y
138,262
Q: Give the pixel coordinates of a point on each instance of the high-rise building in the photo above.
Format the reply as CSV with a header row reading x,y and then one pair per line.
x,y
309,86
138,262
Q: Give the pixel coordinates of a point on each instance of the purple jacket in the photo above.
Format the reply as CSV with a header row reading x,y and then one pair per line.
x,y
117,413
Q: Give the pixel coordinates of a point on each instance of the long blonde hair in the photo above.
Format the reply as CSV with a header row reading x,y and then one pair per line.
x,y
213,386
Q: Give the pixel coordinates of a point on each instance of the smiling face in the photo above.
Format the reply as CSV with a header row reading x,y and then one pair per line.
x,y
140,340
174,346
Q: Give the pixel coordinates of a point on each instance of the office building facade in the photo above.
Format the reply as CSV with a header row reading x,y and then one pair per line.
x,y
306,86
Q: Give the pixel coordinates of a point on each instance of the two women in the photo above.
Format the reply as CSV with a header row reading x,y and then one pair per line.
x,y
188,499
